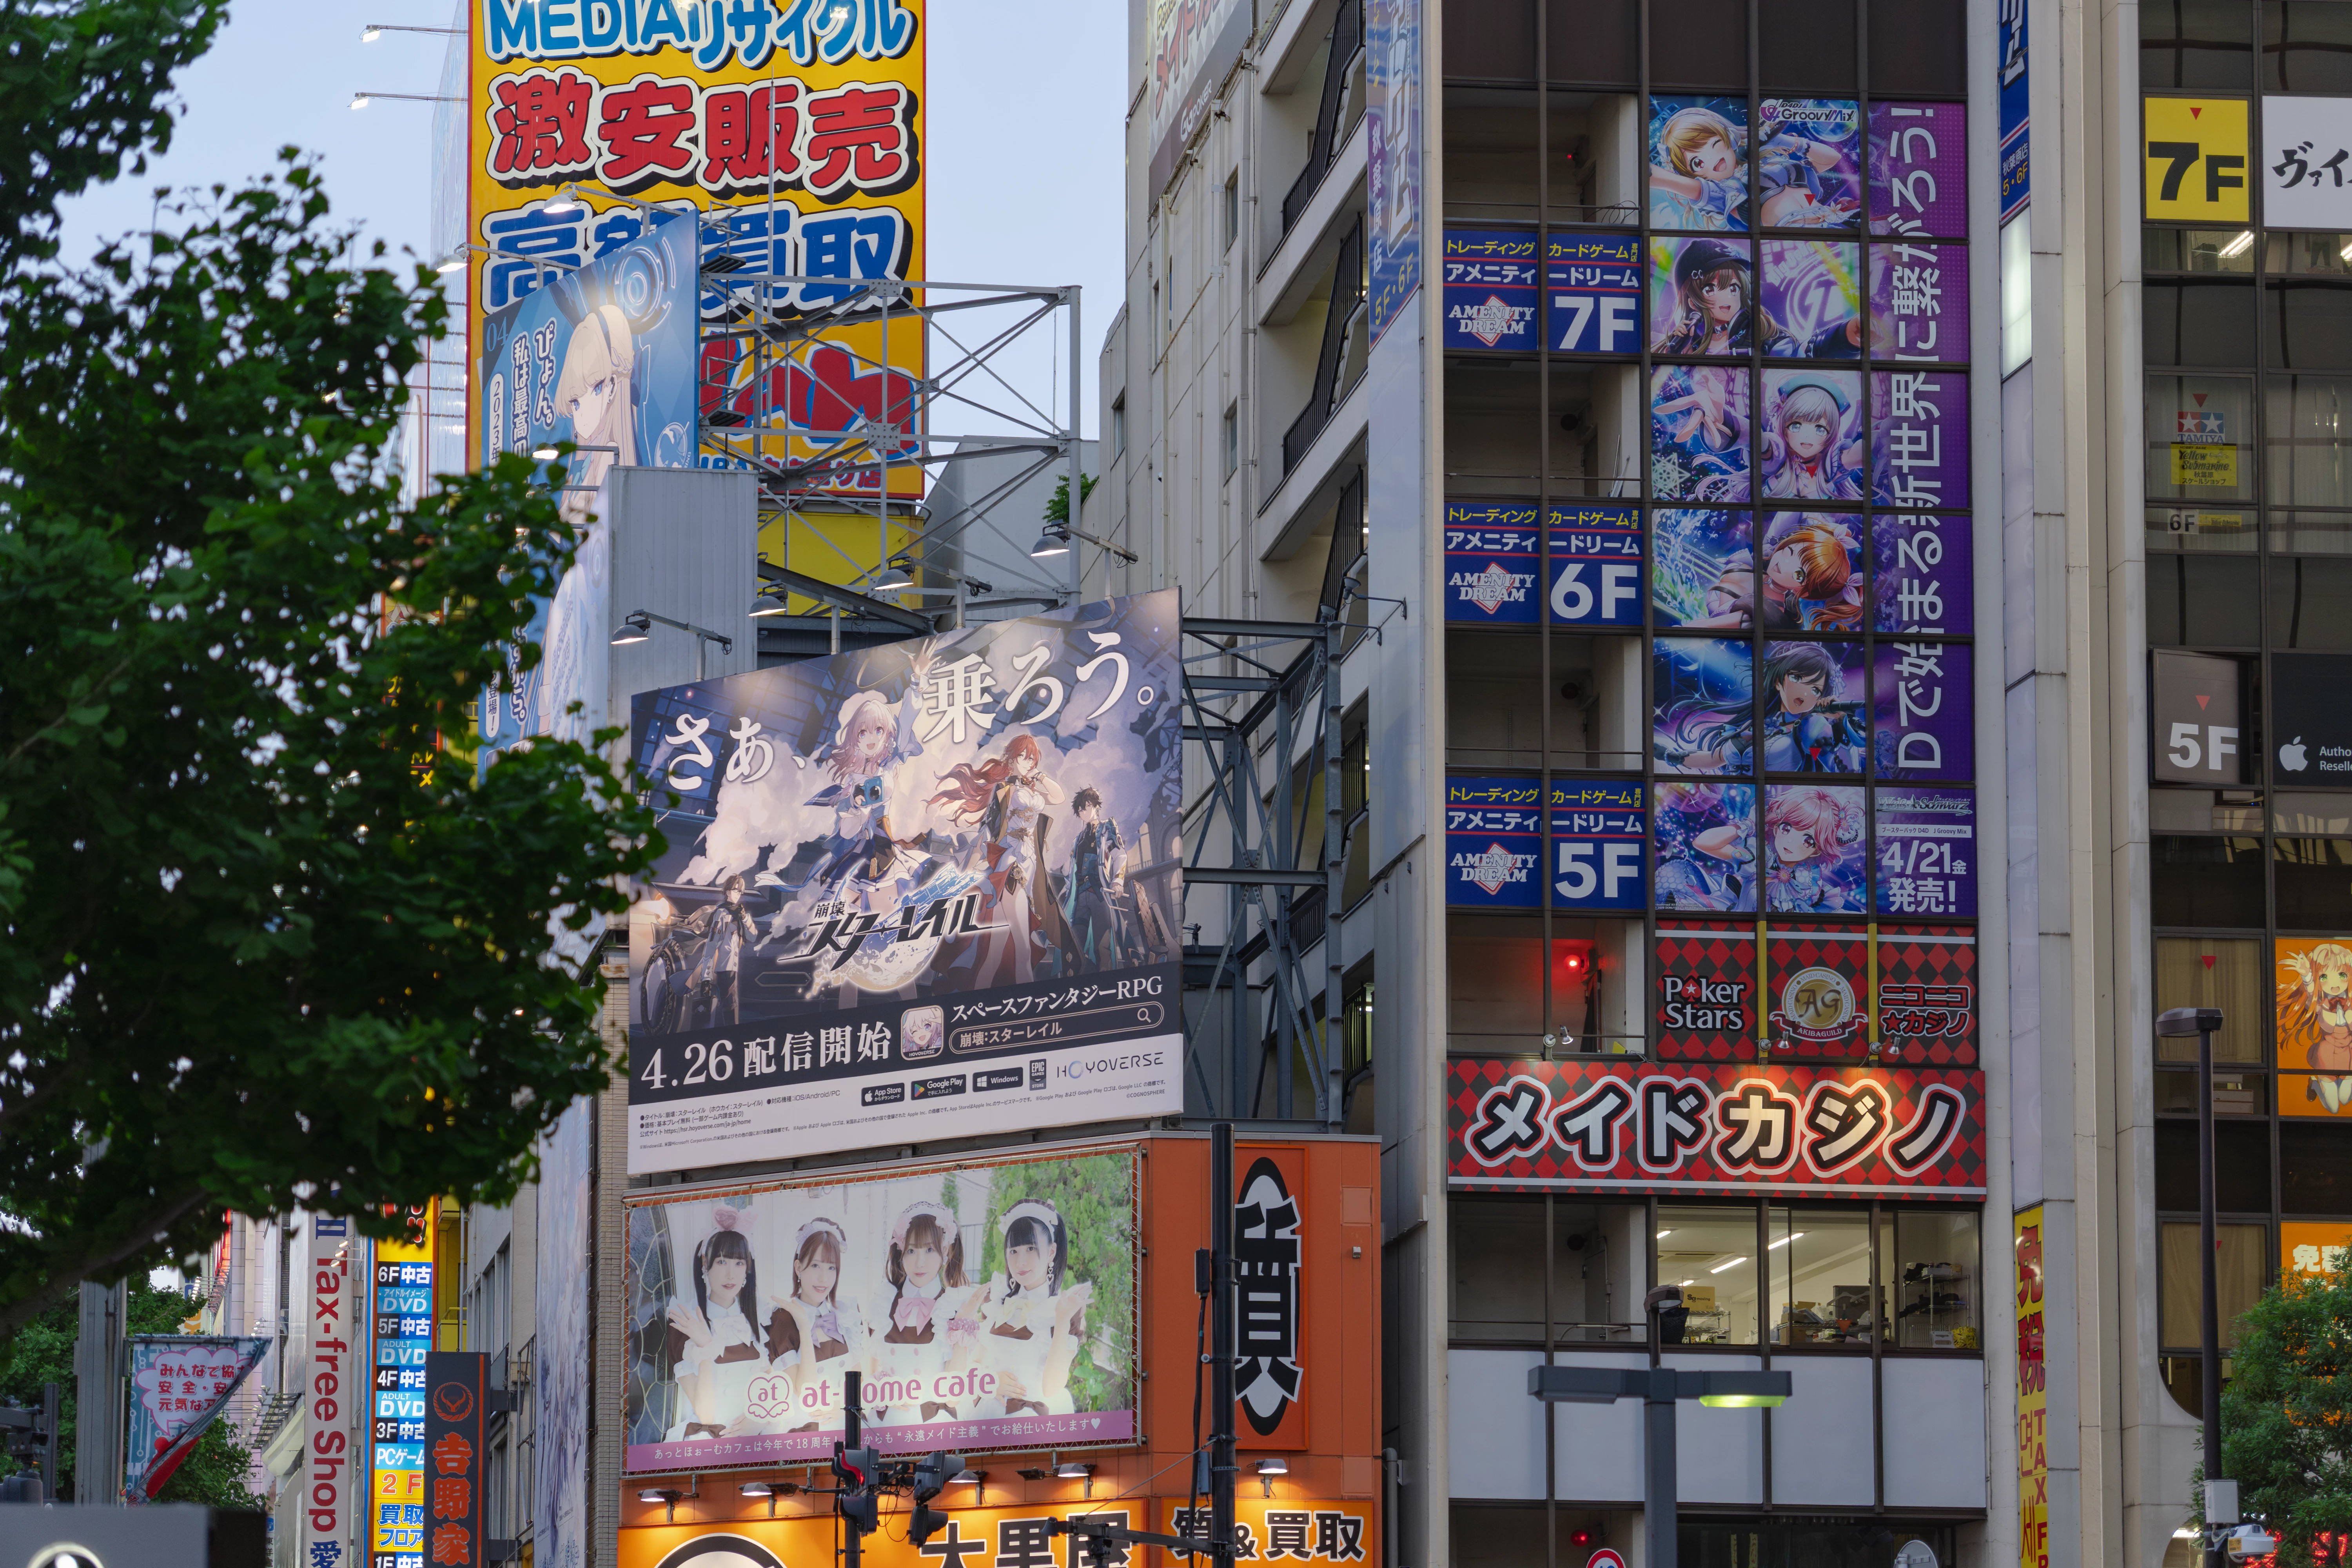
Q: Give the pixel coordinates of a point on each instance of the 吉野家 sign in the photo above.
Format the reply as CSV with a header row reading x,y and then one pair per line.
x,y
987,1305
457,1389
2195,157
923,891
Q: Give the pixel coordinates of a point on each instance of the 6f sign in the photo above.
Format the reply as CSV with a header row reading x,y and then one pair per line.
x,y
2196,158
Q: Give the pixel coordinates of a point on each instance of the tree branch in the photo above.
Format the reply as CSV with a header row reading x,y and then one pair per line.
x,y
15,1315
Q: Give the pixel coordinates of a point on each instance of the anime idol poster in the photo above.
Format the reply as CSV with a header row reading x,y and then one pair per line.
x,y
1698,433
1808,154
1702,715
1698,163
984,1304
1706,837
1812,295
1703,571
931,886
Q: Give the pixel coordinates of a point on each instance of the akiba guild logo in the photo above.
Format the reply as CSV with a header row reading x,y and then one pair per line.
x,y
1266,1277
1817,1007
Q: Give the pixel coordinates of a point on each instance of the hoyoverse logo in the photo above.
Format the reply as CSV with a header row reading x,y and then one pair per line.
x,y
1266,1271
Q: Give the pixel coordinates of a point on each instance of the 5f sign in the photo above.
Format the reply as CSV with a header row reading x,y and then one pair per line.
x,y
2196,159
2198,726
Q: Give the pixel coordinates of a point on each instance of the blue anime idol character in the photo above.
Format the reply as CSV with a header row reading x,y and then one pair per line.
x,y
1806,158
1702,723
1706,847
1810,724
1698,433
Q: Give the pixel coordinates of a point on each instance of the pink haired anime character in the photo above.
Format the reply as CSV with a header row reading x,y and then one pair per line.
x,y
1809,831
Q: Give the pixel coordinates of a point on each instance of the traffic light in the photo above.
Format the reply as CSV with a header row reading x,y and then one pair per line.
x,y
1095,1547
931,1478
853,1472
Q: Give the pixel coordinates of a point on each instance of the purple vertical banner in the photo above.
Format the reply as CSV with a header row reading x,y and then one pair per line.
x,y
1493,839
1492,557
1593,288
1919,168
1919,301
1923,712
1922,574
1920,437
1488,286
1596,564
1926,852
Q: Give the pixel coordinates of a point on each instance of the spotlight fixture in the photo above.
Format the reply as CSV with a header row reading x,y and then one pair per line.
x,y
562,205
360,100
1052,542
1032,1473
453,262
666,1496
636,629
1074,1471
895,576
967,1478
1269,1468
769,605
369,35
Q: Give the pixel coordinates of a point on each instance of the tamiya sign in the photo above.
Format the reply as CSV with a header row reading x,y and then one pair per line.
x,y
1628,1127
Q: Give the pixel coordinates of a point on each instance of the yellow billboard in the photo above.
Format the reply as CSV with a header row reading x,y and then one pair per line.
x,y
796,124
2195,161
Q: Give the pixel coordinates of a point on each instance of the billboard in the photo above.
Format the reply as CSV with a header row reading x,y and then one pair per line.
x,y
179,1383
924,890
1392,128
456,1390
401,1303
988,1305
798,126
330,1397
1600,1126
560,1348
1193,45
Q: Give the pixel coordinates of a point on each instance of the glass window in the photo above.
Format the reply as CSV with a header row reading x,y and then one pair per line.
x,y
2234,1094
1601,1272
1796,52
1597,988
2199,530
2224,610
2307,253
1493,701
2311,603
2307,46
1490,427
2311,533
1938,1277
2315,1168
2206,881
1588,41
1496,1288
1594,150
2311,811
1490,152
2242,1167
1706,46
2203,810
2227,972
2241,1271
2200,438
2314,882
1489,41
2196,250
1494,984
2308,327
1918,45
2307,419
2196,43
1596,702
1711,1254
1820,1264
2199,323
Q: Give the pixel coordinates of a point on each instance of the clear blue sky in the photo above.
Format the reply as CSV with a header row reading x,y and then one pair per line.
x,y
1024,144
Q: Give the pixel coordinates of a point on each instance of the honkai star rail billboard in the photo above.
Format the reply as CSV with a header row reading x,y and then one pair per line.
x,y
796,125
924,890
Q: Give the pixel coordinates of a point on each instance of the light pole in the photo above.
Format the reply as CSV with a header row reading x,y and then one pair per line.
x,y
1659,1388
638,625
2205,1023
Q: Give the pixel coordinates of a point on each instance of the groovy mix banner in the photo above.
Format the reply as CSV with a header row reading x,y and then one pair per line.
x,y
796,125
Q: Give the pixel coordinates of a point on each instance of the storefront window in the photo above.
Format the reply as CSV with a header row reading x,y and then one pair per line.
x,y
2196,43
1821,1269
1938,1279
2205,881
1600,1271
2307,421
1711,1254
2213,972
2241,1269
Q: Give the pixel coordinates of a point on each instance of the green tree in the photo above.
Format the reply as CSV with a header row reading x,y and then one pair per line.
x,y
268,940
1095,1195
43,1352
2286,1413
1058,509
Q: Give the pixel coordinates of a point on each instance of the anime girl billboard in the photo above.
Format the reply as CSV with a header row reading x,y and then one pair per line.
x,y
989,1304
876,865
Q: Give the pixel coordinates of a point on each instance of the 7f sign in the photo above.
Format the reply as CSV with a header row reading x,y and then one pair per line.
x,y
2196,158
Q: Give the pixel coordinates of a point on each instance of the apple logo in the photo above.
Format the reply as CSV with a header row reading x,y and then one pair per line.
x,y
2290,755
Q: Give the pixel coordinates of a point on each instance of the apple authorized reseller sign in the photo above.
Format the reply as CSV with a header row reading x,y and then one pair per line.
x,y
2311,719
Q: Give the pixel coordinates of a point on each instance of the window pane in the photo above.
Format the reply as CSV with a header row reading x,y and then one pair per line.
x,y
2324,253
2311,603
2313,882
2311,533
1917,47
1593,155
2234,1094
2315,1168
2206,881
1490,427
2307,46
2199,323
2309,326
1490,152
1711,1254
1596,702
2200,438
1805,47
2200,810
2307,419
1819,1261
2196,43
2240,1270
1494,705
2213,972
1706,46
2196,250
1497,1280
2208,601
2242,1167
1601,1261
1494,984
2311,811
1597,987
1588,41
1490,40
1938,1279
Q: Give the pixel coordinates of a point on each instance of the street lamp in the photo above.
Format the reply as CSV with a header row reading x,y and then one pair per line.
x,y
2205,1023
637,626
1658,1388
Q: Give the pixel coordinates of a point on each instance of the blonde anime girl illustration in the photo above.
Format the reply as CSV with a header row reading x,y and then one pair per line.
x,y
812,1336
714,1347
1032,1322
2314,1017
596,390
1706,170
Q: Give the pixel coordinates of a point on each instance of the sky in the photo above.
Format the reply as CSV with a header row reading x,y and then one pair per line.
x,y
1025,178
